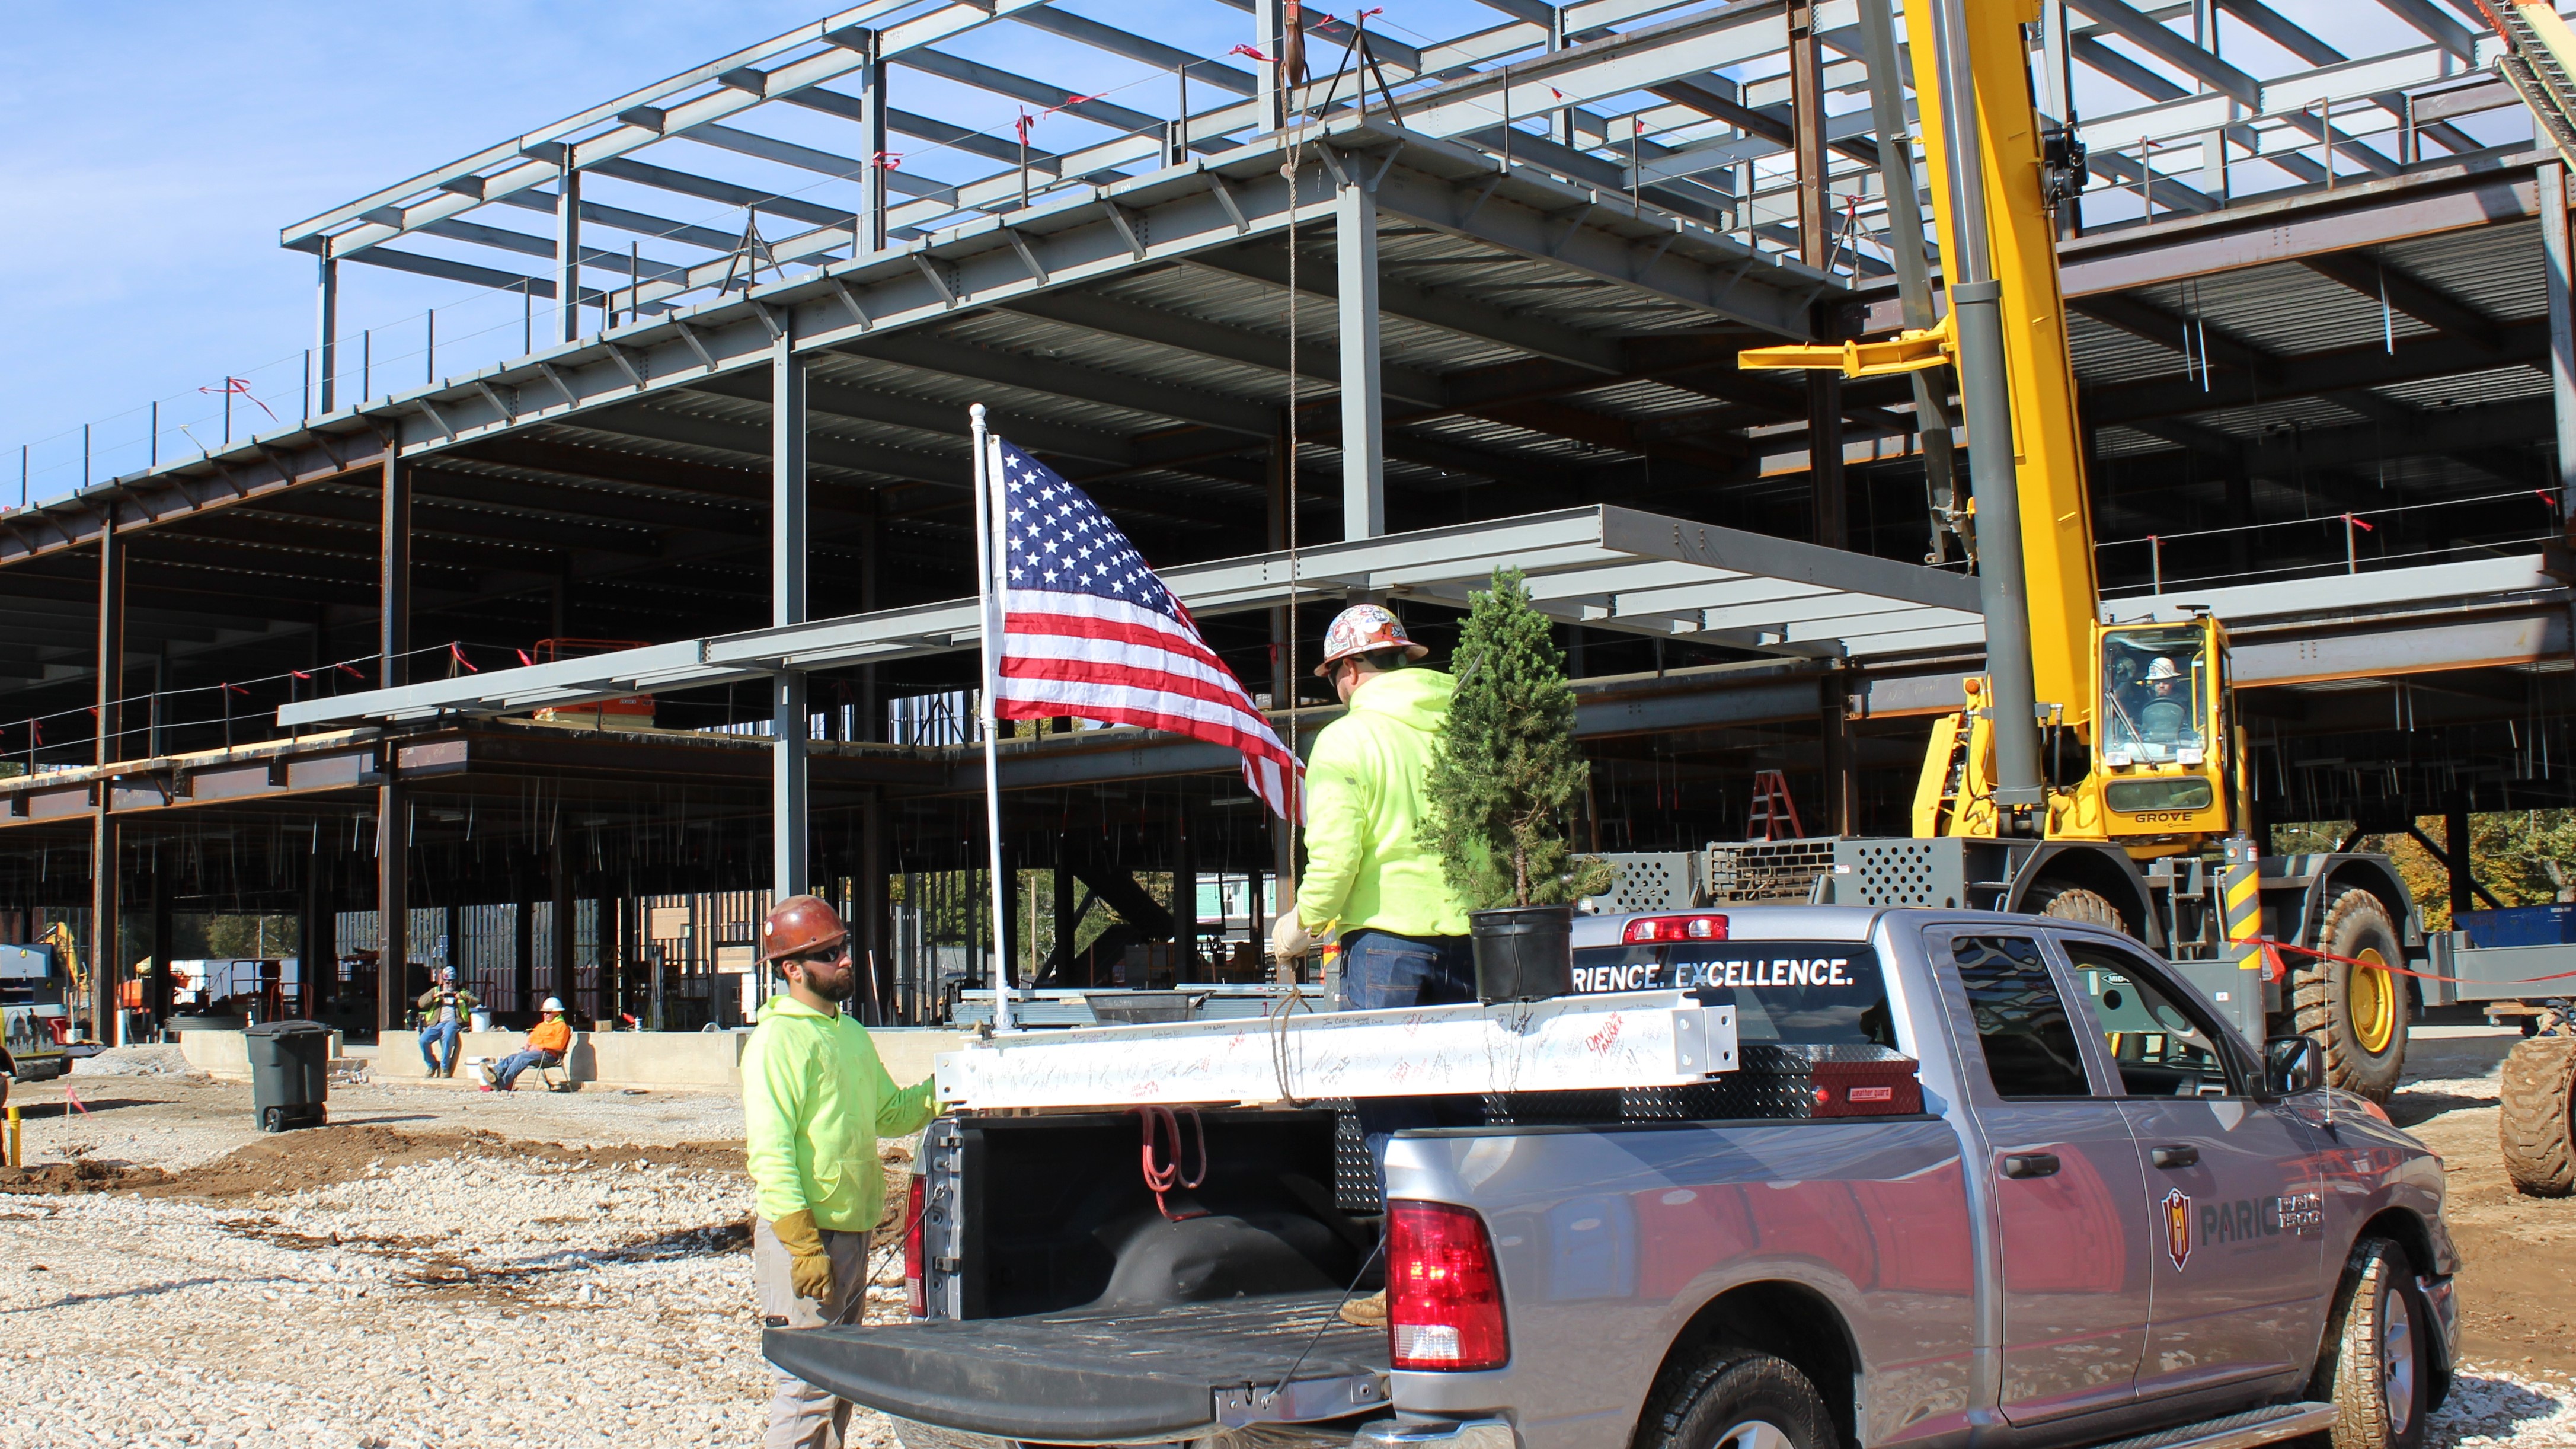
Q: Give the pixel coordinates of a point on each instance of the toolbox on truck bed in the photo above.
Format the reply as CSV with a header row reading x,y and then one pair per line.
x,y
1100,1375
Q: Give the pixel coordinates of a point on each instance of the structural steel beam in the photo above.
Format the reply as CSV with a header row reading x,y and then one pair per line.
x,y
1622,570
1363,439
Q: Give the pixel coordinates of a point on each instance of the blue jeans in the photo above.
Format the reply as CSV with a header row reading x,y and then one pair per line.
x,y
433,1033
1381,971
517,1062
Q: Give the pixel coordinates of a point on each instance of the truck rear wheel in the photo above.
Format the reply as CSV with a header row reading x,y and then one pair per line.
x,y
2357,1014
2539,1078
2376,1371
1738,1399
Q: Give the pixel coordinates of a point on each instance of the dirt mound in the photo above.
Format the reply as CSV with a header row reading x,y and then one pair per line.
x,y
56,1178
323,1156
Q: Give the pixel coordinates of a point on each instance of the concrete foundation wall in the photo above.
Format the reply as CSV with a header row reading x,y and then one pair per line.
x,y
223,1054
704,1061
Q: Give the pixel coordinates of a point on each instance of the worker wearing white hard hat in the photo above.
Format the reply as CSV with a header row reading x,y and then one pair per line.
x,y
1371,881
548,1041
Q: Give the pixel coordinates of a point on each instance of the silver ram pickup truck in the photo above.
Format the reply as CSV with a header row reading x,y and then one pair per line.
x,y
1977,1179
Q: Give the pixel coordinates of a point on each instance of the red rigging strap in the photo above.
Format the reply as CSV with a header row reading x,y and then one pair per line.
x,y
2272,952
1161,1123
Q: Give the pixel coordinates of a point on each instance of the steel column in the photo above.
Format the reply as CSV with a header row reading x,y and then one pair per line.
x,y
1185,887
1807,122
1363,403
393,826
159,1000
566,915
2560,267
1269,36
393,577
872,127
568,251
523,951
315,960
787,600
1946,502
1826,509
2456,869
104,904
869,901
326,343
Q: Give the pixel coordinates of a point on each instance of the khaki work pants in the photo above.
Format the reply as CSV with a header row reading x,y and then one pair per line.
x,y
802,1416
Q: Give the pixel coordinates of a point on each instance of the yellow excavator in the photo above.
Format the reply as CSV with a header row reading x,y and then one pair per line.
x,y
2096,771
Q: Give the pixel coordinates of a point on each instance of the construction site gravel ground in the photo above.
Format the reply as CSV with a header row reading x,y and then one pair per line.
x,y
452,1268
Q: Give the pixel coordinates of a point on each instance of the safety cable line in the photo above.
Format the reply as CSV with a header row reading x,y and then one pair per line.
x,y
2338,517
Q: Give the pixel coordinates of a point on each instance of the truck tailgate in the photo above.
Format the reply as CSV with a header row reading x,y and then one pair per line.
x,y
1097,1375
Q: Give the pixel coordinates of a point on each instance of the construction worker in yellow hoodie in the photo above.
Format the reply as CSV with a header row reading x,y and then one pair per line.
x,y
1370,879
815,1098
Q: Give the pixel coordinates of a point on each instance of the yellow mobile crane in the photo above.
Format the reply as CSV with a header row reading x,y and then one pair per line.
x,y
2148,827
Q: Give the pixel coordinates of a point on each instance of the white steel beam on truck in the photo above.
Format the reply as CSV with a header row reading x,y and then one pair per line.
x,y
1572,1043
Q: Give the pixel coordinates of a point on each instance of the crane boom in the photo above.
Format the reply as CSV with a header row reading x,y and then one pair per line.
x,y
2021,225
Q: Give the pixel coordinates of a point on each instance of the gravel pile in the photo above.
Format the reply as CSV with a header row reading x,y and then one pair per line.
x,y
135,1061
2487,1406
449,1273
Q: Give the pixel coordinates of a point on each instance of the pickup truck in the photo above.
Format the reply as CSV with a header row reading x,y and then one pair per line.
x,y
2082,1210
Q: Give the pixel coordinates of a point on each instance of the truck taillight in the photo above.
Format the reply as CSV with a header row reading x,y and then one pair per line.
x,y
916,1293
1647,930
1444,1299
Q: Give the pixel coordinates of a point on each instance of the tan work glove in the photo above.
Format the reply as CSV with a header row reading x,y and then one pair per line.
x,y
809,1267
1288,938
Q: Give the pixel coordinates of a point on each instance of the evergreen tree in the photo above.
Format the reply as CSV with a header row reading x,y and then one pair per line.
x,y
1503,785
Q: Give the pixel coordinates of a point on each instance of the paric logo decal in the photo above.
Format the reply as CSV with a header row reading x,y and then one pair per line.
x,y
2178,1227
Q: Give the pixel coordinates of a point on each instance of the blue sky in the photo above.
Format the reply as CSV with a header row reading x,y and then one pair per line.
x,y
153,150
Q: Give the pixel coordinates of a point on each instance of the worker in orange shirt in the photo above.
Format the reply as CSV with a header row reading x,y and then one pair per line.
x,y
548,1040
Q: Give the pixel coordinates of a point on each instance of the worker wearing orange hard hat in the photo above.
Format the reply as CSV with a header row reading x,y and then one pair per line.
x,y
815,1098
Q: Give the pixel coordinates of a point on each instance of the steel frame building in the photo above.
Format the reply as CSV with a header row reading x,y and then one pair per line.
x,y
1437,305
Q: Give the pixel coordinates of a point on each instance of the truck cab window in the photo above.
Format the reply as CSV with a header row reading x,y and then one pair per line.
x,y
2155,685
2022,1022
2162,1049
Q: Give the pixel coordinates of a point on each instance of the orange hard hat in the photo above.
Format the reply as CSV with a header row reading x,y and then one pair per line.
x,y
801,926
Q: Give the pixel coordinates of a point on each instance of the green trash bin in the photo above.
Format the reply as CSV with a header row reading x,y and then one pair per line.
x,y
289,1073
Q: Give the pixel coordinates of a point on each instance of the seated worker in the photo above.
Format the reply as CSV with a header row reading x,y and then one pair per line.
x,y
443,1009
548,1040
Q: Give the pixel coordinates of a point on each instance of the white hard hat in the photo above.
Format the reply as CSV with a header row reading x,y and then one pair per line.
x,y
1365,629
553,1003
2163,668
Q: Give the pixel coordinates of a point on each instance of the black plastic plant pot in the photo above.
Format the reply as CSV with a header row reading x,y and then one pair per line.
x,y
1523,953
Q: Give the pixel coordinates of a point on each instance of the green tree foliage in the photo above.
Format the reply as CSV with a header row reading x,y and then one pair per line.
x,y
250,937
2524,857
1503,786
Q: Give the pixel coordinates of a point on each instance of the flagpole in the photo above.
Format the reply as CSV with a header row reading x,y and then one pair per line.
x,y
988,593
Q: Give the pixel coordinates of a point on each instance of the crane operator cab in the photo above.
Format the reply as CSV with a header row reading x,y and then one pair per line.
x,y
2159,732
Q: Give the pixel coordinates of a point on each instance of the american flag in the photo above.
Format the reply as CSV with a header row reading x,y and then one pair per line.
x,y
1089,631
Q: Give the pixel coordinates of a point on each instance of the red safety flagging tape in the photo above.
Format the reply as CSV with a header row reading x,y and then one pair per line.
x,y
2272,951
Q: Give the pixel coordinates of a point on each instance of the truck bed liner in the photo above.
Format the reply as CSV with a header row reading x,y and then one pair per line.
x,y
1100,1375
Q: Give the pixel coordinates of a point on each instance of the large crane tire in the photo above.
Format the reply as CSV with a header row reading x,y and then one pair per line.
x,y
2356,1014
2075,903
2533,1127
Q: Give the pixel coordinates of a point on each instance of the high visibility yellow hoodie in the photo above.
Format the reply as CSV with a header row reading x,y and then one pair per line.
x,y
814,1099
1366,864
